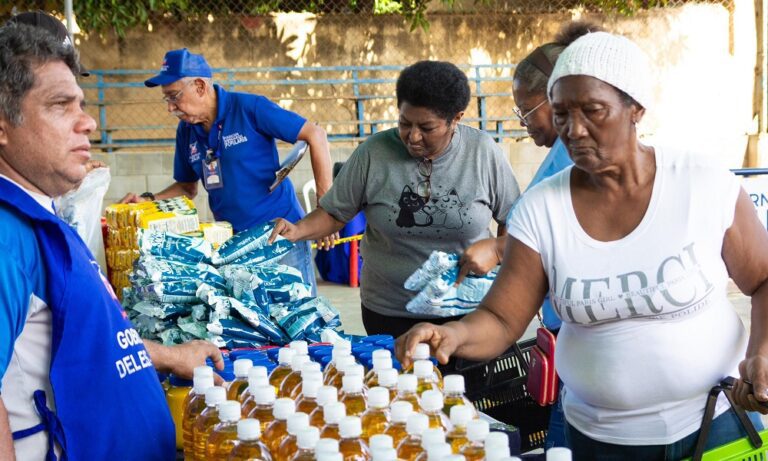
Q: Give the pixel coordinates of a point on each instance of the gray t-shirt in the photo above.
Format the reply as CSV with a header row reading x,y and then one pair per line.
x,y
472,182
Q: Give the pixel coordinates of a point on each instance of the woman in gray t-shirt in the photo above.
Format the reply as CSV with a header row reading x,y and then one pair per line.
x,y
429,184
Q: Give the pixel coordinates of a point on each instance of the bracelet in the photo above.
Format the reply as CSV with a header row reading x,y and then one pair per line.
x,y
148,195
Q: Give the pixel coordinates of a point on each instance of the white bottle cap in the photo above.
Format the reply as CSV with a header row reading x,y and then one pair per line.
x,y
381,353
343,345
495,439
309,367
338,353
312,374
457,458
354,370
431,401
477,430
432,435
248,429
326,456
326,395
201,383
241,367
382,363
202,371
438,451
307,438
297,422
283,408
258,371
327,446
495,452
558,454
417,423
343,362
229,411
378,397
421,352
309,387
352,384
406,383
384,454
350,427
387,377
263,395
285,355
379,441
254,381
423,368
454,384
215,395
461,415
299,346
297,361
401,411
334,412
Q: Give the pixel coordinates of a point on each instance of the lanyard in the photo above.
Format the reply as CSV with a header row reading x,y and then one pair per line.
x,y
213,154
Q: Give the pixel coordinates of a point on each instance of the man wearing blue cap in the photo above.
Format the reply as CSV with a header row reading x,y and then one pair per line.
x,y
227,141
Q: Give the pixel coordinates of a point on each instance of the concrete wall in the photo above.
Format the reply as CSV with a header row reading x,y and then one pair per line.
x,y
703,55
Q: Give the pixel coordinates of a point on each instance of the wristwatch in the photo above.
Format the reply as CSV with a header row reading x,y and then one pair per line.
x,y
148,195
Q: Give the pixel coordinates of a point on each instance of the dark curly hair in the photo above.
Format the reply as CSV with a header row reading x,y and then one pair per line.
x,y
531,74
437,85
22,49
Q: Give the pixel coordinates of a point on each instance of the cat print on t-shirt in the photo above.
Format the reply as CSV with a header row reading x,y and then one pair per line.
x,y
443,211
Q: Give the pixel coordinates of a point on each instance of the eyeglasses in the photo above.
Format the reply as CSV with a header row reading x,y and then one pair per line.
x,y
173,99
522,116
424,188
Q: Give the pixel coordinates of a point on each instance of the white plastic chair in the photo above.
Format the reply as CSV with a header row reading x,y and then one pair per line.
x,y
309,189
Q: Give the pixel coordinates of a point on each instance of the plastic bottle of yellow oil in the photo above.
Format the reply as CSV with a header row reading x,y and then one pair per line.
x,y
399,413
306,441
376,418
432,406
421,353
294,377
224,434
254,382
333,412
308,370
477,431
406,391
278,429
240,383
297,422
410,447
382,359
352,395
325,395
307,401
342,363
453,386
351,445
194,404
248,446
283,369
496,446
207,419
257,375
461,415
340,349
176,394
387,378
426,377
263,406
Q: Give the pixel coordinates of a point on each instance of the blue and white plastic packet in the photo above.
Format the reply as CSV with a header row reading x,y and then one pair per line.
x,y
252,242
440,298
162,310
265,255
305,319
179,291
164,270
167,245
289,293
437,264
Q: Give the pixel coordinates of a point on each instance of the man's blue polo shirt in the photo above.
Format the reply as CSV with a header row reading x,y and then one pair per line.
x,y
243,137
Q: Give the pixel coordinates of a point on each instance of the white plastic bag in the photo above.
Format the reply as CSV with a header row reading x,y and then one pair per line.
x,y
81,209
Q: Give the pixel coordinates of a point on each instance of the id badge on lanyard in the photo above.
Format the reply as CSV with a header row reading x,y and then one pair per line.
x,y
212,178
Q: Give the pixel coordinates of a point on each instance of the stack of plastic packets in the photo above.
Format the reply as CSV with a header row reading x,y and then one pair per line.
x,y
177,215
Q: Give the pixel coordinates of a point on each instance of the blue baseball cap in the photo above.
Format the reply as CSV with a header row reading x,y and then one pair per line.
x,y
178,64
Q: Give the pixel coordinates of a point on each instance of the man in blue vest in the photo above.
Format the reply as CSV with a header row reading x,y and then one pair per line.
x,y
226,140
77,381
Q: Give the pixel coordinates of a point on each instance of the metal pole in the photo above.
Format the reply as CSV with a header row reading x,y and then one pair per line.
x,y
70,21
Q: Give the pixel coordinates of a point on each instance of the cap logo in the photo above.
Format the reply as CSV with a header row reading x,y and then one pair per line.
x,y
164,67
